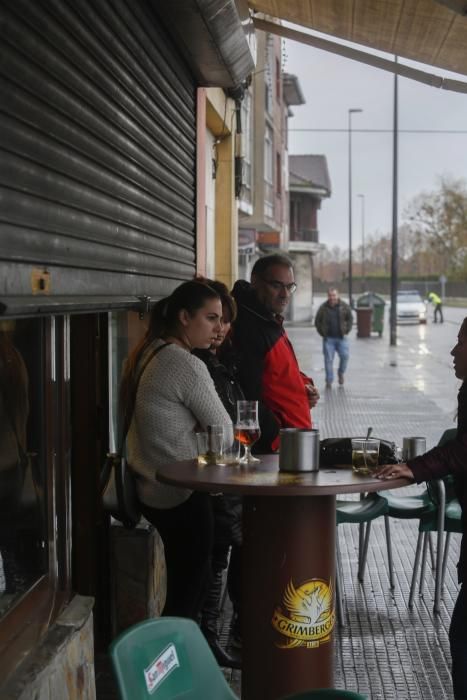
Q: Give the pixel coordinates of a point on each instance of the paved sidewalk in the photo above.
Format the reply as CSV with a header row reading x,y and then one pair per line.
x,y
385,650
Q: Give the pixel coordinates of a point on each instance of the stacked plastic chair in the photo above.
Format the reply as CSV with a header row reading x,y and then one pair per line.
x,y
165,659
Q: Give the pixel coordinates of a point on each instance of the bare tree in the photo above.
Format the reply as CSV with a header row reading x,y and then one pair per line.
x,y
432,239
438,225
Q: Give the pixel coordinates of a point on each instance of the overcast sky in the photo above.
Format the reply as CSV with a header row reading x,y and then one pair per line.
x,y
331,85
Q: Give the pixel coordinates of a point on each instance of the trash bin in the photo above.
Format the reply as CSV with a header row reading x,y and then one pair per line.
x,y
377,304
364,315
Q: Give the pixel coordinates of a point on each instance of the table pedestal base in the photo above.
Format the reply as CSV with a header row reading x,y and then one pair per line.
x,y
288,611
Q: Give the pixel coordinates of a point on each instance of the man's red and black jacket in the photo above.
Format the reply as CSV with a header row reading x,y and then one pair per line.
x,y
268,369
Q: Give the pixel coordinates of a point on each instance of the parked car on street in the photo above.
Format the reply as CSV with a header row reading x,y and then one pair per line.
x,y
411,308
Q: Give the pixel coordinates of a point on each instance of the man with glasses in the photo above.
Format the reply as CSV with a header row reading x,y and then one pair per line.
x,y
334,322
267,368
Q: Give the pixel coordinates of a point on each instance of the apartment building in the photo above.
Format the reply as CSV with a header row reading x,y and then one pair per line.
x,y
266,108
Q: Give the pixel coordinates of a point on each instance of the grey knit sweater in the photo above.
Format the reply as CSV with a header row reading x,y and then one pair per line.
x,y
176,396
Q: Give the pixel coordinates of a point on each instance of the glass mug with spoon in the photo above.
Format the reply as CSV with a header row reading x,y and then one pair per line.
x,y
247,430
365,455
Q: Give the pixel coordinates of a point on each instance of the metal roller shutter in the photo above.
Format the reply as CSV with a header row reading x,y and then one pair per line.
x,y
97,149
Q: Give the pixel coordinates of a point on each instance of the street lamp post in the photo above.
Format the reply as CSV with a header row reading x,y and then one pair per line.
x,y
351,111
394,241
362,199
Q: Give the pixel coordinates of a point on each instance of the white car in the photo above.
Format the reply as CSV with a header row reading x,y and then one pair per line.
x,y
410,307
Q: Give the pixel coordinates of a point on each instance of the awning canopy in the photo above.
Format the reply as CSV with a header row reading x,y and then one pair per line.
x,y
430,31
216,37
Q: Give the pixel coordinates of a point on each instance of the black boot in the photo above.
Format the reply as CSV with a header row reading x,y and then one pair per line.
x,y
222,657
235,633
211,608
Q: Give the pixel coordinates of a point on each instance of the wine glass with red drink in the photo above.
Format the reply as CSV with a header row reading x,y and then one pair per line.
x,y
247,430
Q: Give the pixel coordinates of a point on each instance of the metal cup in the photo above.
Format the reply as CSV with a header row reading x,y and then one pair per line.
x,y
299,450
412,447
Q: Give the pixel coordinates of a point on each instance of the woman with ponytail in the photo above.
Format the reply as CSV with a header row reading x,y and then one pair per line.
x,y
175,397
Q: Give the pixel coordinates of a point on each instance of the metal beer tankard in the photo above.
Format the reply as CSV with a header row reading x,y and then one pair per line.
x,y
299,450
413,447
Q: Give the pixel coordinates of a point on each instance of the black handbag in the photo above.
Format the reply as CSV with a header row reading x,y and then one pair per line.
x,y
119,496
339,451
118,479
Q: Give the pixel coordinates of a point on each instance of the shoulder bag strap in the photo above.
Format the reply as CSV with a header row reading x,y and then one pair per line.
x,y
129,413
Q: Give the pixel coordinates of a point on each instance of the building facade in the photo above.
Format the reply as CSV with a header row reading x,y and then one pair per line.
x,y
281,194
263,203
309,184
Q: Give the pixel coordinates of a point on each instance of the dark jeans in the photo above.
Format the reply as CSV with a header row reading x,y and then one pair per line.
x,y
458,642
187,534
438,312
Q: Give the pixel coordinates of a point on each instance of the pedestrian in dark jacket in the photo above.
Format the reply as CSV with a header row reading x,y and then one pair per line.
x,y
334,322
227,508
268,370
451,458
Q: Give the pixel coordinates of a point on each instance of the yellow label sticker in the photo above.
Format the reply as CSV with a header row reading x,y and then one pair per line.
x,y
40,281
307,615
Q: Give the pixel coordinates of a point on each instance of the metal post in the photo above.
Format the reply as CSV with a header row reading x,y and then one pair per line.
x,y
362,199
351,111
394,252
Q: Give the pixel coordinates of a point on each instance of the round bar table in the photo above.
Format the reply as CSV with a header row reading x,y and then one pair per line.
x,y
288,566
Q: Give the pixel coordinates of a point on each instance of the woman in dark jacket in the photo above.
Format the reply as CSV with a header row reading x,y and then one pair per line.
x,y
227,508
451,458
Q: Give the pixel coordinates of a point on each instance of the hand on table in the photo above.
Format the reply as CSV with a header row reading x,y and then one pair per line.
x,y
394,471
313,394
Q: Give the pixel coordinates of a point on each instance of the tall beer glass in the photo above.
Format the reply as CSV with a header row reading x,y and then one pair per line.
x,y
247,430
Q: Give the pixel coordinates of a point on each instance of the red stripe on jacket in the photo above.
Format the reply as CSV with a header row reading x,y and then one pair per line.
x,y
283,386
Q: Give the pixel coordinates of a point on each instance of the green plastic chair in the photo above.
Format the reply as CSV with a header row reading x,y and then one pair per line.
x,y
430,521
413,507
360,512
448,504
428,508
165,659
326,694
452,523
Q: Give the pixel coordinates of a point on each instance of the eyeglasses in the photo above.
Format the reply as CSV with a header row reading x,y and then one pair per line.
x,y
280,286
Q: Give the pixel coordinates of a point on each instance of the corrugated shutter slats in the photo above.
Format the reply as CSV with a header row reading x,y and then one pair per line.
x,y
98,144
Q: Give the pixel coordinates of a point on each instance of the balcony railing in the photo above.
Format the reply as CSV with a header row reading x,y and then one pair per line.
x,y
268,200
305,235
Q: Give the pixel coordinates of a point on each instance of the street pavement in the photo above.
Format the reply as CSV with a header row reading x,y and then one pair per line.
x,y
385,650
380,379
